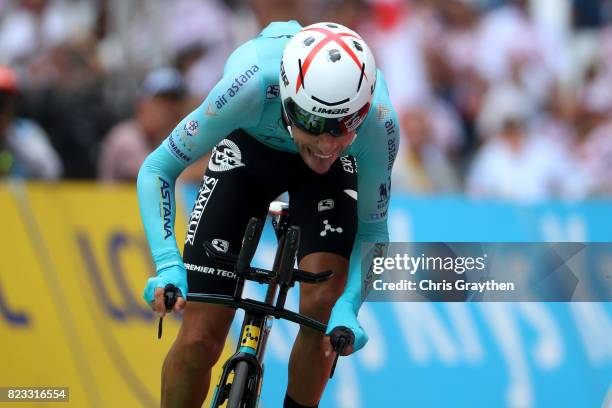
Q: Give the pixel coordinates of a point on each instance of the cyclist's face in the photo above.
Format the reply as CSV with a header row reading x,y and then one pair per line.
x,y
320,152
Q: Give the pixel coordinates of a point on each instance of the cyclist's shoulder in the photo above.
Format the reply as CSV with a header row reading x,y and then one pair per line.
x,y
265,49
254,65
381,113
280,30
381,92
378,136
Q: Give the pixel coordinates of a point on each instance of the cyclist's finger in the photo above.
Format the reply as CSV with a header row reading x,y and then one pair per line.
x,y
158,305
179,305
330,349
347,350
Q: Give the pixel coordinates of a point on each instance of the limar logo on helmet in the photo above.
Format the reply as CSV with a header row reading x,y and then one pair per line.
x,y
318,109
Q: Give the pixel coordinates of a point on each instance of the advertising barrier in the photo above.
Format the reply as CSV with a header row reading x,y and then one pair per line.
x,y
516,355
75,261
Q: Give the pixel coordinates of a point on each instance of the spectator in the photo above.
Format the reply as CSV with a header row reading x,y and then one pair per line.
x,y
25,150
395,33
514,166
510,37
503,100
200,43
158,110
594,157
423,164
487,62
32,29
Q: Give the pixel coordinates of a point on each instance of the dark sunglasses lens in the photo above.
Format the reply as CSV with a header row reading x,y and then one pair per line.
x,y
317,125
336,132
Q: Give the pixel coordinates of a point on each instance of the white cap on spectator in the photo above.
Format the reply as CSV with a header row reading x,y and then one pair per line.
x,y
503,102
163,82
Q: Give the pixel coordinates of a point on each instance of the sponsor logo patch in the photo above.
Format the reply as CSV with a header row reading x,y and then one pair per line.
x,y
220,244
176,150
225,156
272,91
347,164
328,228
325,205
382,112
191,128
391,144
384,194
209,111
210,271
165,206
235,87
206,190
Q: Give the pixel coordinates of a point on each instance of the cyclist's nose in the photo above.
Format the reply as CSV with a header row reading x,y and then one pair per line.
x,y
327,144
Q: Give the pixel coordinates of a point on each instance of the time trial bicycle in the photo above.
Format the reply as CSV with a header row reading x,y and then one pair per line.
x,y
242,390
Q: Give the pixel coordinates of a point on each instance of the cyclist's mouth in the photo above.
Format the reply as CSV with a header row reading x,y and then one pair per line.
x,y
318,162
320,155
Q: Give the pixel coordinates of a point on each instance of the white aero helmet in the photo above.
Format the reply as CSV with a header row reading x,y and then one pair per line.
x,y
327,79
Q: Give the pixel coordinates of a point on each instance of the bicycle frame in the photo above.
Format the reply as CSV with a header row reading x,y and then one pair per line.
x,y
259,316
254,331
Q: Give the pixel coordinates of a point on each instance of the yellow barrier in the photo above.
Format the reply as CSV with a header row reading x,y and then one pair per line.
x,y
74,263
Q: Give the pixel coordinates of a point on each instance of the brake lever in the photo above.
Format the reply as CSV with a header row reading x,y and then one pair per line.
x,y
340,348
340,337
170,296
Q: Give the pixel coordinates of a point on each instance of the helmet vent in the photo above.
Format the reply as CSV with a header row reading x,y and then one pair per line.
x,y
334,55
357,46
331,25
309,41
361,77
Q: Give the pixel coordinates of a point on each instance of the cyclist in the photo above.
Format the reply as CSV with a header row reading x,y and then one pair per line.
x,y
302,110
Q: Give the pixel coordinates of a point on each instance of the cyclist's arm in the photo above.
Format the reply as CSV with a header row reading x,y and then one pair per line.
x,y
378,144
233,103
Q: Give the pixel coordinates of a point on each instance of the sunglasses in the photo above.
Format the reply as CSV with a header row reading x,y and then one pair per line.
x,y
317,125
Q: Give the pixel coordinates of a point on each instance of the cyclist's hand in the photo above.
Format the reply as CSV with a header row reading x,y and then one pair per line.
x,y
345,351
341,339
154,290
343,315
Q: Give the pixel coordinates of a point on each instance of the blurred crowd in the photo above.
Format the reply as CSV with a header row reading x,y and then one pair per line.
x,y
503,99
